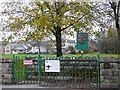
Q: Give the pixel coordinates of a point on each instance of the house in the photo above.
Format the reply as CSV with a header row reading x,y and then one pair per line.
x,y
44,46
14,48
9,47
48,46
19,49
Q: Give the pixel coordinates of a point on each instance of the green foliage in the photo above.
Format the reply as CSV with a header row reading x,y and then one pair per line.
x,y
46,18
48,15
72,49
108,44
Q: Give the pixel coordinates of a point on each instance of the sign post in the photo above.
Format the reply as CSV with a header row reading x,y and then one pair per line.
x,y
82,41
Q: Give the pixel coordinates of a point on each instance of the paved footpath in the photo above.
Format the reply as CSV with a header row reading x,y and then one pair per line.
x,y
32,87
36,87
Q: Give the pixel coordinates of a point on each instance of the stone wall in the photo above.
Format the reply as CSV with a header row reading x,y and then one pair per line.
x,y
6,72
0,73
110,73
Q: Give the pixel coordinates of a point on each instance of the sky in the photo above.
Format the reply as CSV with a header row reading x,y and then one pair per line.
x,y
1,17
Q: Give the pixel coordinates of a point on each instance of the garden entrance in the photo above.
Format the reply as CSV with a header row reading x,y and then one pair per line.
x,y
62,72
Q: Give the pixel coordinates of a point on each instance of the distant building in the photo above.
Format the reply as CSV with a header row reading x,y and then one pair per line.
x,y
70,43
14,48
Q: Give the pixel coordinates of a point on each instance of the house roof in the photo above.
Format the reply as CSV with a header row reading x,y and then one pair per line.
x,y
12,45
16,46
19,47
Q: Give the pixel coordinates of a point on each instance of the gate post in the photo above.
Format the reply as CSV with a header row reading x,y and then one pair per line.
x,y
39,68
98,71
13,60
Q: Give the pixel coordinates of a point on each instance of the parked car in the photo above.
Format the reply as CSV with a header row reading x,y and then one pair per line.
x,y
29,52
36,52
43,51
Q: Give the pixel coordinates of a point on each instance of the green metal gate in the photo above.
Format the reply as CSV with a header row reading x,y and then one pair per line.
x,y
75,72
25,72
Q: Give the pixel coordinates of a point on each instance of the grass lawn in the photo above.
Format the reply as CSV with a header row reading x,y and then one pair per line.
x,y
9,56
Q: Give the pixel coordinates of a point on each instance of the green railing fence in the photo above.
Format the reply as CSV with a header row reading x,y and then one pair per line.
x,y
75,72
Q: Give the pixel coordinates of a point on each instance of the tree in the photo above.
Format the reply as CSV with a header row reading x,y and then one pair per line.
x,y
116,15
107,14
108,43
5,42
54,18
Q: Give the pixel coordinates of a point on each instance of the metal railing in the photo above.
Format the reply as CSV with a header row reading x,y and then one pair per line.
x,y
75,72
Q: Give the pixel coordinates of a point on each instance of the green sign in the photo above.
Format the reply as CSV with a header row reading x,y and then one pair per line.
x,y
82,41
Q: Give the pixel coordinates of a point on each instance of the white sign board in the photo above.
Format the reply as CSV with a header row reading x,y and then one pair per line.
x,y
52,65
27,62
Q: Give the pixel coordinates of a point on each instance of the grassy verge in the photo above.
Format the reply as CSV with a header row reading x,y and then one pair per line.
x,y
9,56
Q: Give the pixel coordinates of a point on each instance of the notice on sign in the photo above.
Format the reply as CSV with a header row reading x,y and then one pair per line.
x,y
27,62
52,65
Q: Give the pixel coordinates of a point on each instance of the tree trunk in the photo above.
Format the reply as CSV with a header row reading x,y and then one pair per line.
x,y
118,31
116,14
58,41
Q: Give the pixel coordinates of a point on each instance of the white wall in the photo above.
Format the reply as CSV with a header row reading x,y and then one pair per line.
x,y
7,49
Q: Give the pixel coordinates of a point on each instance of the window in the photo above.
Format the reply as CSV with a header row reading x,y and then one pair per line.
x,y
7,50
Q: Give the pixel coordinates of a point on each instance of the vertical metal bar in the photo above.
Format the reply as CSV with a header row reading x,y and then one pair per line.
x,y
69,67
50,79
92,76
39,68
72,74
75,68
46,75
23,69
57,77
62,74
34,70
13,69
65,75
98,71
17,68
85,75
79,77
27,69
82,74
20,72
89,74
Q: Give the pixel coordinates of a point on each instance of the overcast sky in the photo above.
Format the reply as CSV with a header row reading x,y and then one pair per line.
x,y
3,17
1,1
